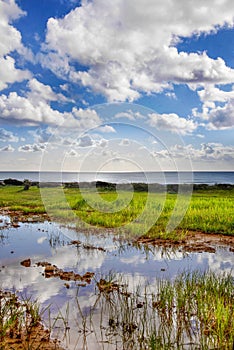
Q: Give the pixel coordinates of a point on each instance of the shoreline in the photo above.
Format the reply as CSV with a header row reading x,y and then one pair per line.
x,y
107,185
194,241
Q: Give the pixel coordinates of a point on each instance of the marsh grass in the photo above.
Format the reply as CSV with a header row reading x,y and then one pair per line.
x,y
196,310
18,319
21,325
193,311
209,211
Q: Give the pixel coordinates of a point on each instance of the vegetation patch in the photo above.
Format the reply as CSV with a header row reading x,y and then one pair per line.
x,y
194,311
20,325
210,209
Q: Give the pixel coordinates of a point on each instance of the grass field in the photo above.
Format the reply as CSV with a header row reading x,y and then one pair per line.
x,y
209,211
195,308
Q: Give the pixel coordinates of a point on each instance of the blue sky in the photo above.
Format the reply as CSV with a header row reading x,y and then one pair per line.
x,y
120,85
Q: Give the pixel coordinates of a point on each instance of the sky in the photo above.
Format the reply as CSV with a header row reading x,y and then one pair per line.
x,y
116,86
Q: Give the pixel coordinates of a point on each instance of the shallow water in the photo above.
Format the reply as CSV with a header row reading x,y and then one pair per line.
x,y
50,242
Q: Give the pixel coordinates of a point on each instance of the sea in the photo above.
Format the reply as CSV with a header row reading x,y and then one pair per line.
x,y
168,177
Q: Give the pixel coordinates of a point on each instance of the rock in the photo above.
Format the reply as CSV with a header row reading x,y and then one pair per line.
x,y
26,263
75,242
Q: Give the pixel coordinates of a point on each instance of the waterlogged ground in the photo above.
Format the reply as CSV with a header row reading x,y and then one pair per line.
x,y
70,271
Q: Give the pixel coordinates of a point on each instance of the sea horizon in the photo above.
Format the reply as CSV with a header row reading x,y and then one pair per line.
x,y
163,177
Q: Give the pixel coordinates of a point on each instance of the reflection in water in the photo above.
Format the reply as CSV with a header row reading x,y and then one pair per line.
x,y
74,305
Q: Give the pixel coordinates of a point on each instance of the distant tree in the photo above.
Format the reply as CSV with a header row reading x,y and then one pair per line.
x,y
27,184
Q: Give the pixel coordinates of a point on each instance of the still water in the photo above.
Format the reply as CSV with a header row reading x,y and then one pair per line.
x,y
164,177
50,242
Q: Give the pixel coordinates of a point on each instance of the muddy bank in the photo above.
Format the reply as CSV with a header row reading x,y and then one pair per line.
x,y
21,327
53,271
39,339
17,217
194,242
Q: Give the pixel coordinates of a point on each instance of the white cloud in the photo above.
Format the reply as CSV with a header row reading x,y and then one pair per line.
x,y
222,117
18,109
106,129
9,11
103,143
129,114
8,148
42,92
9,74
7,136
85,118
34,109
41,135
72,153
217,109
64,87
211,152
171,95
124,142
10,41
172,122
85,141
130,47
32,148
214,94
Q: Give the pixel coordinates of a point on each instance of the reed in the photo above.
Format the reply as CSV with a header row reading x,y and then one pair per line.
x,y
196,309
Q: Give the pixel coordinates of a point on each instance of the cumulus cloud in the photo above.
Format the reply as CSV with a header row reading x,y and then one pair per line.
x,y
171,95
39,91
211,152
9,12
32,148
106,129
72,153
85,141
35,109
129,47
41,135
18,109
8,148
222,117
130,115
172,122
217,109
85,118
214,94
9,74
7,136
10,41
102,143
124,142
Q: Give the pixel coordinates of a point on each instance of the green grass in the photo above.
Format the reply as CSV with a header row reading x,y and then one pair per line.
x,y
17,318
196,308
16,199
210,211
21,324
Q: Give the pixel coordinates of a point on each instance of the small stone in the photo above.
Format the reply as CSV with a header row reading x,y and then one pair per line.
x,y
26,263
